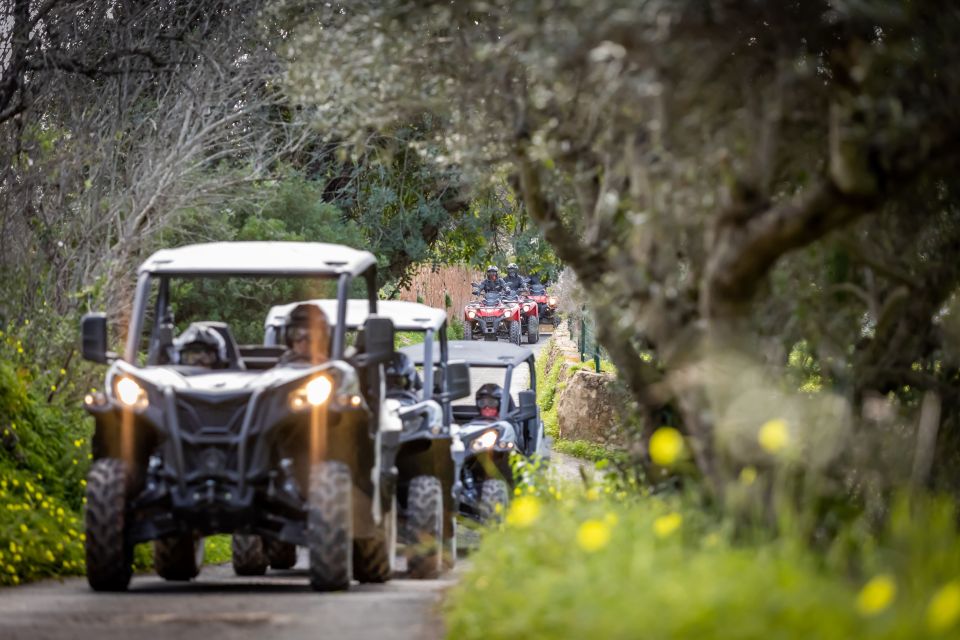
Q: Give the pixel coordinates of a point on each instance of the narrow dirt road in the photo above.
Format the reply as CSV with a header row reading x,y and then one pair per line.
x,y
219,604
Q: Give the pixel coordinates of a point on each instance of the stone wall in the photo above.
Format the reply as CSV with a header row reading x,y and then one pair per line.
x,y
586,401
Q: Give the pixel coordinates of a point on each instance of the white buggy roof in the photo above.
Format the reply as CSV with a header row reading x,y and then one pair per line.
x,y
259,258
406,316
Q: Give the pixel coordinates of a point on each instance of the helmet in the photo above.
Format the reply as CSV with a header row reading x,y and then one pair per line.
x,y
488,400
492,269
512,269
307,323
201,346
401,374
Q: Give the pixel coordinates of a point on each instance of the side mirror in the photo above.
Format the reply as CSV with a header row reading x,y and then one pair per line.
x,y
458,380
93,335
378,339
528,399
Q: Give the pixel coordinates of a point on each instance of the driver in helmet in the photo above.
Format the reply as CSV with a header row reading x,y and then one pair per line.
x,y
201,346
402,379
488,400
307,335
513,279
492,281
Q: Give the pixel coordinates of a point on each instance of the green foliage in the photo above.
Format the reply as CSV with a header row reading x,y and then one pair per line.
x,y
217,549
586,450
600,565
44,451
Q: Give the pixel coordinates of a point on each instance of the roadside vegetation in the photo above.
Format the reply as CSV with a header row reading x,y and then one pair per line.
x,y
605,562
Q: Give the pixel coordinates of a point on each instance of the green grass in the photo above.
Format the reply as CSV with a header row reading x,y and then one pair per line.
x,y
217,549
601,566
585,450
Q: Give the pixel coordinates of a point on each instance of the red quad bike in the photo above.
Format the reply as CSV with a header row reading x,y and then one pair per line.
x,y
490,317
529,314
546,305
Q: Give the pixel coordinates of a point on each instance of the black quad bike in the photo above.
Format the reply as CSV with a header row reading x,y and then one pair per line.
x,y
279,454
420,409
482,446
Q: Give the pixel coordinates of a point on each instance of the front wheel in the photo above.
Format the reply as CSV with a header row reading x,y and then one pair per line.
x,y
281,555
109,555
468,330
178,557
248,555
373,557
533,330
424,534
330,527
515,332
493,499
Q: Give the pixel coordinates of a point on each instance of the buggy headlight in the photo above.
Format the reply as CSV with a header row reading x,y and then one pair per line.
x,y
485,440
130,393
313,393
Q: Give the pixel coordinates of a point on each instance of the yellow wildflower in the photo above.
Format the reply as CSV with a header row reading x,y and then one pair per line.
x,y
876,595
592,493
611,519
666,445
944,609
774,435
593,535
50,557
666,525
748,475
524,511
23,529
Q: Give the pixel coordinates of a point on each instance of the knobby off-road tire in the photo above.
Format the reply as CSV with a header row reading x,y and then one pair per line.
x,y
515,332
178,557
467,331
248,555
533,330
282,555
493,492
373,557
424,535
330,527
109,555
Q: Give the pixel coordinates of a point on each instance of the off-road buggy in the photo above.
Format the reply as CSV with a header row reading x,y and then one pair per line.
x,y
284,454
482,446
427,514
491,317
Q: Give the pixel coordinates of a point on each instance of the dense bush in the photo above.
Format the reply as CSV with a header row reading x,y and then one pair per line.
x,y
44,451
595,564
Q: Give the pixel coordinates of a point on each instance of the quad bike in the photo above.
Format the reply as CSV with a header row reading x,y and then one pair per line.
x,y
279,453
529,314
546,304
492,317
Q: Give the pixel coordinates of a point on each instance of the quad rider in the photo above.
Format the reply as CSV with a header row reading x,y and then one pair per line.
x,y
403,381
492,282
513,279
307,335
201,346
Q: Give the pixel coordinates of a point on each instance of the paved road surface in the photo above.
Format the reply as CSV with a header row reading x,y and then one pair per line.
x,y
220,605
